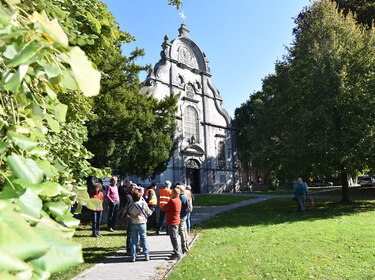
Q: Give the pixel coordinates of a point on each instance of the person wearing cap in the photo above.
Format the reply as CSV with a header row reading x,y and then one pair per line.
x,y
113,203
173,210
164,197
183,216
152,201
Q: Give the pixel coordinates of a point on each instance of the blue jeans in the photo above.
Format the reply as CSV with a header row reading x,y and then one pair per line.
x,y
138,230
188,222
301,199
112,213
96,217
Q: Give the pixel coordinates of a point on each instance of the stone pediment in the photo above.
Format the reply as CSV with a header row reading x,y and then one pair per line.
x,y
193,149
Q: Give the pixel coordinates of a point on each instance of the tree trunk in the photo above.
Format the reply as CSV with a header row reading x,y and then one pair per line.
x,y
345,187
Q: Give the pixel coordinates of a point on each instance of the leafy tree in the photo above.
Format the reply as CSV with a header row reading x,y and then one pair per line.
x,y
333,61
364,10
137,131
42,159
316,116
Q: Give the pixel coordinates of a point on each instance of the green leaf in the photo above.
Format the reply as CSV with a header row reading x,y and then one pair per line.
x,y
47,168
51,93
12,81
78,209
68,220
3,146
25,55
39,151
37,111
24,142
2,112
62,255
53,30
55,126
47,224
86,76
30,203
60,112
11,263
17,238
94,22
25,169
49,188
52,70
94,204
10,52
68,81
12,188
57,208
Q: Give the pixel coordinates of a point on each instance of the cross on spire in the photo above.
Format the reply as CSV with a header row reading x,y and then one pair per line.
x,y
183,16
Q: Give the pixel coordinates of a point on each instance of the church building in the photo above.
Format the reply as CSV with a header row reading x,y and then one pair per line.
x,y
205,154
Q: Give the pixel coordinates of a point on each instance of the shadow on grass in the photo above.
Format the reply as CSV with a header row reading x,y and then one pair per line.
x,y
283,210
94,255
102,233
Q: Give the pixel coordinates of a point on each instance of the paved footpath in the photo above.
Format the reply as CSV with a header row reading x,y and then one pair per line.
x,y
119,267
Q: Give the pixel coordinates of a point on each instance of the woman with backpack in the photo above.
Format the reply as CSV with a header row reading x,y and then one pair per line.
x,y
300,192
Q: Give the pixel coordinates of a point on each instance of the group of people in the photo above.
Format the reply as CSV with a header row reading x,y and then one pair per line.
x,y
139,208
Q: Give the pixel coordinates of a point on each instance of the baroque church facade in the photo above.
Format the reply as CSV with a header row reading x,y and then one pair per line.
x,y
205,154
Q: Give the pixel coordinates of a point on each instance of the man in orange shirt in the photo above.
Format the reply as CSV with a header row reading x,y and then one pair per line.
x,y
164,197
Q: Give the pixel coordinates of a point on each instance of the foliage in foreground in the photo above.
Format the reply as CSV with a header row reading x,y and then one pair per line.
x,y
270,240
94,250
42,160
315,116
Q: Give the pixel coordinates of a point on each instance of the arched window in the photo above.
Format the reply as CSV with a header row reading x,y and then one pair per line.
x,y
190,124
221,155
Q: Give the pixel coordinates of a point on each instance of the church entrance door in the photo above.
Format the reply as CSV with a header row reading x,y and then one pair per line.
x,y
192,175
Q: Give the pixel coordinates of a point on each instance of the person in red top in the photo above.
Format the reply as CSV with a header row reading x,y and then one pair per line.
x,y
172,210
97,214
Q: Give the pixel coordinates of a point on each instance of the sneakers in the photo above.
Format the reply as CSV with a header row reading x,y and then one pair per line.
x,y
147,257
111,229
132,260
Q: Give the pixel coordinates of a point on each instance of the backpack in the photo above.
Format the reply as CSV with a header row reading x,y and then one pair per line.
x,y
189,206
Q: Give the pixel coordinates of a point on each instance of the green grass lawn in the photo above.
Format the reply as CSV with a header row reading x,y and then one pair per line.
x,y
94,249
217,199
270,240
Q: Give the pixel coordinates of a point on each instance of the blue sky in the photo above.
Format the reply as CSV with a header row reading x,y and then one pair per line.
x,y
242,39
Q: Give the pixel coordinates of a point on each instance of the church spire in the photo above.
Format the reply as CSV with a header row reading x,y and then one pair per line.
x,y
184,32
